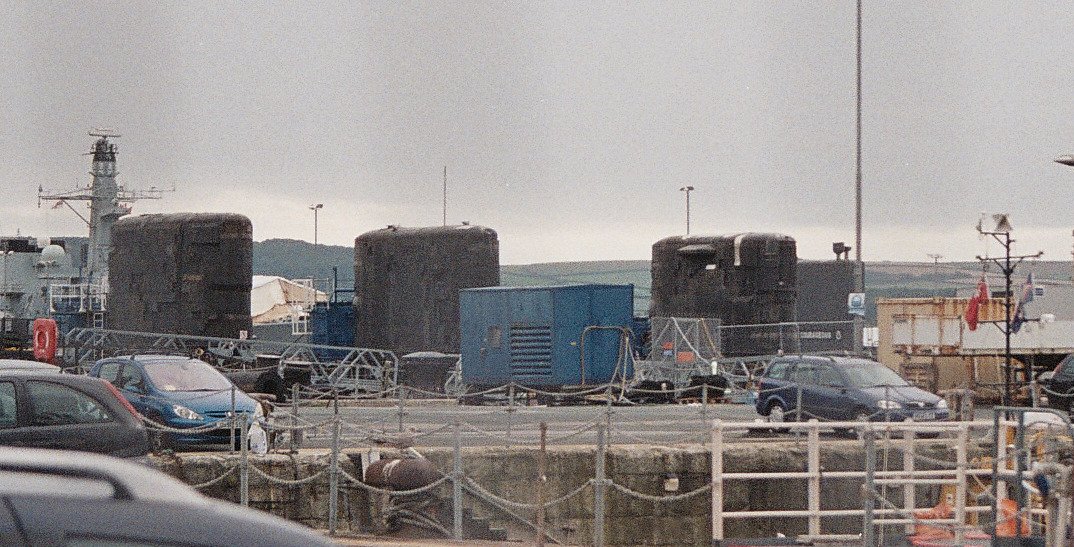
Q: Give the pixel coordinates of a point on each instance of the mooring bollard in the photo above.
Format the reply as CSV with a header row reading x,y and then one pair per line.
x,y
456,484
598,491
244,465
333,479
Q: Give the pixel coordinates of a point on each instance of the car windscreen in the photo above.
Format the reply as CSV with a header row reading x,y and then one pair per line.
x,y
869,375
192,375
1066,366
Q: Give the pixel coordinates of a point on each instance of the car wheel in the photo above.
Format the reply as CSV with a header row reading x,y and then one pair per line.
x,y
159,441
862,416
777,415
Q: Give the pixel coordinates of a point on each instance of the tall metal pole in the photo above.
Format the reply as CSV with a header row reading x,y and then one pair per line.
x,y
935,271
598,491
857,184
315,208
687,189
859,321
1007,271
868,533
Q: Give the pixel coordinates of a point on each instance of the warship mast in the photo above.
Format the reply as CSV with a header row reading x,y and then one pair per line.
x,y
108,201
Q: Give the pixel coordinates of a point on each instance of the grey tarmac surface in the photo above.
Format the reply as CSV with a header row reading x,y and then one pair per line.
x,y
430,423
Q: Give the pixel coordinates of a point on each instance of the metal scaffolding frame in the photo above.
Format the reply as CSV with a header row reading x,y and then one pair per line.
x,y
331,367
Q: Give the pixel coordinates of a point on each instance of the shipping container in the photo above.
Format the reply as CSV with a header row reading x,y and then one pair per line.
x,y
558,336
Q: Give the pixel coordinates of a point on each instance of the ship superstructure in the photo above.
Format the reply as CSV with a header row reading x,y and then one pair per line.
x,y
66,278
108,201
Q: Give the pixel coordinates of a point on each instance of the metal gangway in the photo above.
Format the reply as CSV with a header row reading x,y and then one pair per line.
x,y
335,368
682,348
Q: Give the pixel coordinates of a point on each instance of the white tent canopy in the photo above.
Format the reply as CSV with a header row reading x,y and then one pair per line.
x,y
274,299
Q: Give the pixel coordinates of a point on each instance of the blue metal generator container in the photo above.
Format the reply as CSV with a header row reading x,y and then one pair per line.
x,y
535,336
332,325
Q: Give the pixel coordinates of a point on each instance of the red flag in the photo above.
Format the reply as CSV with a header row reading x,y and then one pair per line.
x,y
973,309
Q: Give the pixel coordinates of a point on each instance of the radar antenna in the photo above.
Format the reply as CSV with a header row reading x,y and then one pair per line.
x,y
108,200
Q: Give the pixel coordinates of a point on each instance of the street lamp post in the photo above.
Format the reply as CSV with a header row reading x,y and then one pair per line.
x,y
687,189
315,208
936,271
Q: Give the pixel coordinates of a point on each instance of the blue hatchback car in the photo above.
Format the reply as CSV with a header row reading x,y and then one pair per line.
x,y
842,389
178,392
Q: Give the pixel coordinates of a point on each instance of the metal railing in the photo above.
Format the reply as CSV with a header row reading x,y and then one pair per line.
x,y
878,511
332,368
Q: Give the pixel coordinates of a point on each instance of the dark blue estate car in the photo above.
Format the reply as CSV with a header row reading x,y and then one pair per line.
x,y
179,392
842,389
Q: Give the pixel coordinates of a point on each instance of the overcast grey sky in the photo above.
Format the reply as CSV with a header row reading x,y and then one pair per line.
x,y
567,127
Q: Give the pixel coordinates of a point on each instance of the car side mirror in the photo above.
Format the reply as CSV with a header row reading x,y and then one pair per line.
x,y
134,388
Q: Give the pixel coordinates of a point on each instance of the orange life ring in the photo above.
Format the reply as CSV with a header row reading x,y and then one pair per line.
x,y
45,334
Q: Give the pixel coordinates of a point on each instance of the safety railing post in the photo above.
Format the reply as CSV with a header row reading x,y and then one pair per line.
x,y
401,396
705,401
999,440
798,402
1020,454
333,478
542,478
887,404
960,486
716,477
510,412
868,534
909,492
598,490
608,415
231,434
456,483
293,436
813,448
244,466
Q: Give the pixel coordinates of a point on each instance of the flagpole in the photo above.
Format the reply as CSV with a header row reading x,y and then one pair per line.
x,y
1008,267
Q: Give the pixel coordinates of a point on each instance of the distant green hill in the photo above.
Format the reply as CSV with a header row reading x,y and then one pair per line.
x,y
296,259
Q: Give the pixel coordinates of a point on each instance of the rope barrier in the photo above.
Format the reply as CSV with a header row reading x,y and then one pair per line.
x,y
150,424
211,482
278,427
288,482
361,484
489,496
661,499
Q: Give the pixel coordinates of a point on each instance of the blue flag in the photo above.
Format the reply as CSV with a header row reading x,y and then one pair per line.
x,y
1020,311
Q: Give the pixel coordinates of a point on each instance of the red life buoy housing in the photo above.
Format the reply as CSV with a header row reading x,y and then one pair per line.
x,y
45,334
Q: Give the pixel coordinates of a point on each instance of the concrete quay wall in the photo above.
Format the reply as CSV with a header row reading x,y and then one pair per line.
x,y
512,474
